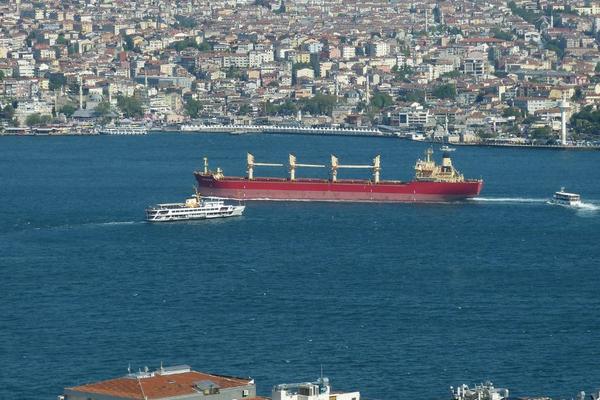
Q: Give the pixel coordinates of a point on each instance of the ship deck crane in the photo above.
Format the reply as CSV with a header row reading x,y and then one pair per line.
x,y
376,167
294,165
252,164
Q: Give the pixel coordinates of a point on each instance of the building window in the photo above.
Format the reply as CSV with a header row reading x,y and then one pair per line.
x,y
245,393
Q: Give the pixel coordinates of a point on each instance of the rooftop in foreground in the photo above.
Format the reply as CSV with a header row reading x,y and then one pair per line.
x,y
164,383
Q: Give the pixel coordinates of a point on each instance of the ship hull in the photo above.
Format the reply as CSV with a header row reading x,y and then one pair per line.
x,y
343,190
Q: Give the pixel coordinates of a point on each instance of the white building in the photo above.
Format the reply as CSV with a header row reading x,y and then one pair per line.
x,y
414,116
475,64
319,390
236,61
378,49
348,52
257,58
25,69
26,108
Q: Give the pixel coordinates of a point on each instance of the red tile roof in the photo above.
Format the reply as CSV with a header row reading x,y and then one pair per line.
x,y
157,386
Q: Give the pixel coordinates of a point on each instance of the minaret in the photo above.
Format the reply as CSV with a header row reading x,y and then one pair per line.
x,y
368,93
446,124
564,107
80,92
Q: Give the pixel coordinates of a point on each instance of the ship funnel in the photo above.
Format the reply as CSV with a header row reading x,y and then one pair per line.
x,y
446,160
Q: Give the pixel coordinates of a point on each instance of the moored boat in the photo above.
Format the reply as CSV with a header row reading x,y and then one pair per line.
x,y
432,183
447,148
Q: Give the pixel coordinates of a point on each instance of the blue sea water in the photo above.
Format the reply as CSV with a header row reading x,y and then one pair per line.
x,y
399,301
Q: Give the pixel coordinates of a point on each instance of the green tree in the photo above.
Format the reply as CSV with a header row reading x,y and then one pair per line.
x,y
61,39
451,74
56,80
190,42
131,107
524,13
128,45
320,104
102,109
586,122
1,75
7,113
381,100
33,119
193,108
185,22
68,110
416,95
244,109
500,34
234,73
447,91
597,69
557,45
541,133
38,119
512,112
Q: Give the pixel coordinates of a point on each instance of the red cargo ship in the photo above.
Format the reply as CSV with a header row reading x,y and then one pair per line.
x,y
432,183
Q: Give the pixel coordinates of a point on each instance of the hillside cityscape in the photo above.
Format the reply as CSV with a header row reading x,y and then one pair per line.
x,y
390,199
454,71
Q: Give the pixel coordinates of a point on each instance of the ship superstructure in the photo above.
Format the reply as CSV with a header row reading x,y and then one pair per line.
x,y
483,391
319,390
432,182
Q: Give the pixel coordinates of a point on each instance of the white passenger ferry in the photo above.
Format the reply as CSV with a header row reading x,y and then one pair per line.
x,y
563,198
196,207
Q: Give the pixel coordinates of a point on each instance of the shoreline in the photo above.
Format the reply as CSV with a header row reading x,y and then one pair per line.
x,y
240,130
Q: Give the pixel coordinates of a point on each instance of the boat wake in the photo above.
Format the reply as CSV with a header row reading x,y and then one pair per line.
x,y
88,225
115,223
588,207
508,200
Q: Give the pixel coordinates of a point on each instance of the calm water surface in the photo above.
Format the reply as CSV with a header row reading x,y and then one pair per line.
x,y
399,301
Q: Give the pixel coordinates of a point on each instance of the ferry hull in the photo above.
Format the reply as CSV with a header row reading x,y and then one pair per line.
x,y
342,190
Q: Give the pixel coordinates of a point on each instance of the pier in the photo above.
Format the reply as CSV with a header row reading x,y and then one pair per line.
x,y
286,129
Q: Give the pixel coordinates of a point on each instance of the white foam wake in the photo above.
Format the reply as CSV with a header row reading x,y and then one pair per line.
x,y
588,207
508,200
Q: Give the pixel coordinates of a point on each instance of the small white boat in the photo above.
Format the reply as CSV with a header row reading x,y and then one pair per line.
x,y
567,199
196,207
447,148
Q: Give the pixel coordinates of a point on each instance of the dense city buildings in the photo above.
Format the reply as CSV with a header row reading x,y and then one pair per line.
x,y
455,71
